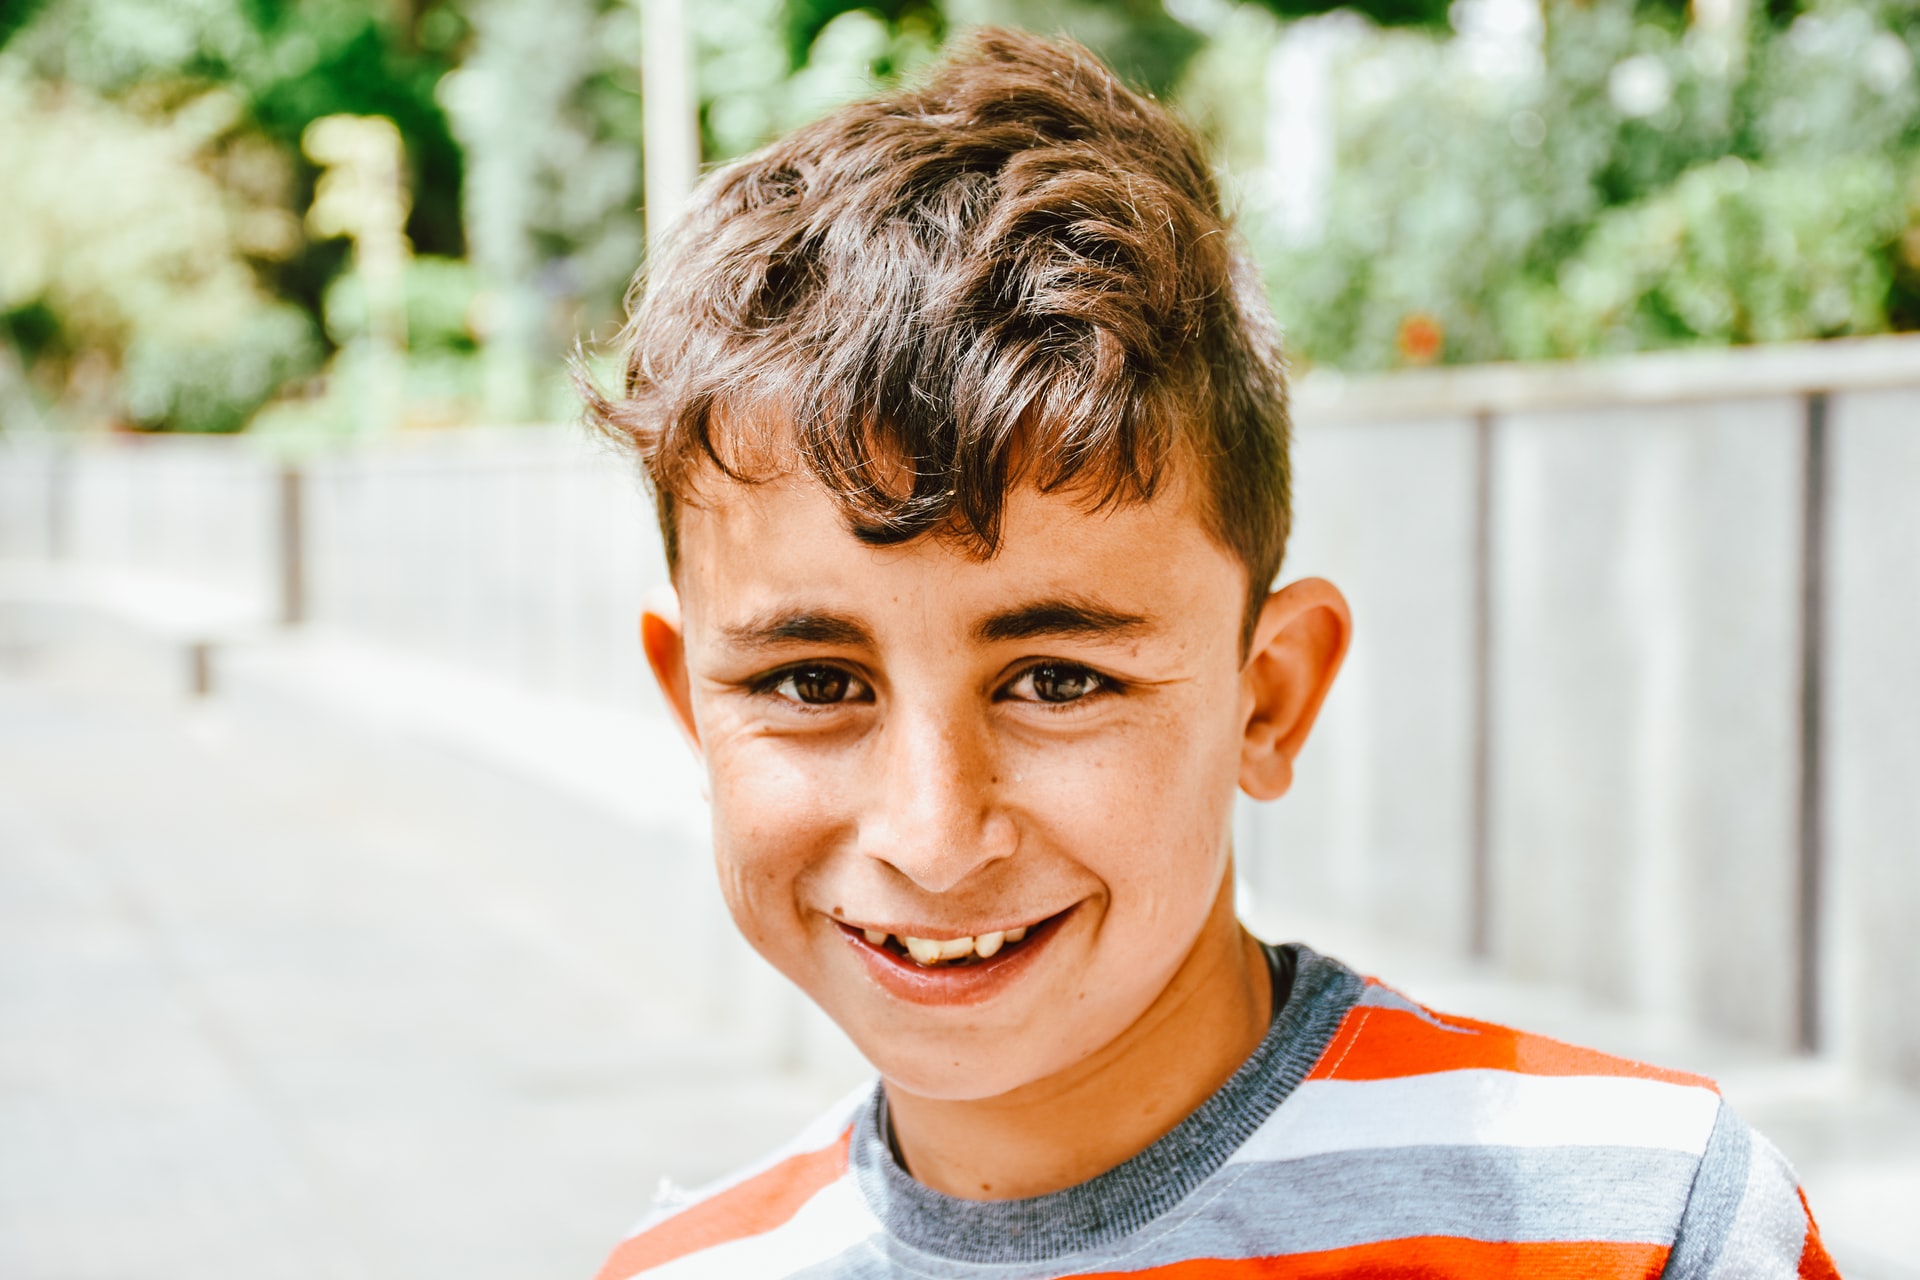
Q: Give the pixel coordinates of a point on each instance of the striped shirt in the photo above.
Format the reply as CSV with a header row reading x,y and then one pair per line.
x,y
1365,1136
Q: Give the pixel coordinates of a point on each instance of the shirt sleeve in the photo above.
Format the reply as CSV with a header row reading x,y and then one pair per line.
x,y
1746,1217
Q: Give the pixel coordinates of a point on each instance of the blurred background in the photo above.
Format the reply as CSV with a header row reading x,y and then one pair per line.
x,y
355,912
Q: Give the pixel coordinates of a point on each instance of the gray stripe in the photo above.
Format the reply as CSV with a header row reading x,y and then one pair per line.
x,y
1521,1194
1132,1194
1274,1208
1714,1200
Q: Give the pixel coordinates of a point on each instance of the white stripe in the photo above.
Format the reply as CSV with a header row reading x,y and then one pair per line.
x,y
1478,1107
1770,1230
834,1220
821,1132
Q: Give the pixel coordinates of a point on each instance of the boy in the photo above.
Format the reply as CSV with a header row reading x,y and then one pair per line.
x,y
967,428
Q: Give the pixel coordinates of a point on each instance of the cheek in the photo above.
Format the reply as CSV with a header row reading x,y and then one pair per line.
x,y
773,818
1145,810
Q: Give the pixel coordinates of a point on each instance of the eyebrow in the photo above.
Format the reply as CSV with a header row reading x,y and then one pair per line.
x,y
802,626
1053,618
1061,617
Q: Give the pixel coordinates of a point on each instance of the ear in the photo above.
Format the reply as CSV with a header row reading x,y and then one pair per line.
x,y
664,641
1299,642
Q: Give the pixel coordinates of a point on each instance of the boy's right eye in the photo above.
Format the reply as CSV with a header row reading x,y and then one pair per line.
x,y
817,686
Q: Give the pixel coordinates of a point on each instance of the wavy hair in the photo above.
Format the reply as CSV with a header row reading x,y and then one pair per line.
x,y
1016,271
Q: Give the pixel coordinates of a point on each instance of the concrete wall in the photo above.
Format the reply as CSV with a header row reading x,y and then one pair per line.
x,y
1872,732
1573,729
1645,730
197,510
1642,732
27,494
194,509
524,552
1645,644
1378,826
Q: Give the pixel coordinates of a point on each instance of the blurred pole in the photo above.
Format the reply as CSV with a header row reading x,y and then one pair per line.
x,y
671,124
1480,849
293,547
200,668
1813,610
60,482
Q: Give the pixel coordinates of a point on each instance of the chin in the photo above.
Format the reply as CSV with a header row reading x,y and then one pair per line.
x,y
968,1068
963,1083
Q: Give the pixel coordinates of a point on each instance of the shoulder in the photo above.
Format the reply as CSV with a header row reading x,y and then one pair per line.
x,y
1402,1075
796,1207
1386,1035
1520,1154
1747,1216
1525,1143
1407,1074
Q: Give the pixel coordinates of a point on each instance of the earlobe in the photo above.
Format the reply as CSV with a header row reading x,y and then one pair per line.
x,y
1299,643
664,642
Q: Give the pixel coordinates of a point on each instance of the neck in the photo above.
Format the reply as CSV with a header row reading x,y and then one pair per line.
x,y
1060,1131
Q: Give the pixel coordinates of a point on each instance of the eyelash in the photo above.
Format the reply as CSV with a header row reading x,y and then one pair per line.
x,y
769,684
1104,685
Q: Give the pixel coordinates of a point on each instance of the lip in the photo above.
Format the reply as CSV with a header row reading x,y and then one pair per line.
x,y
961,984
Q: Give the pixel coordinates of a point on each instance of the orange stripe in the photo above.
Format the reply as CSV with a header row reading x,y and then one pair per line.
x,y
1381,1044
1428,1258
759,1204
1814,1262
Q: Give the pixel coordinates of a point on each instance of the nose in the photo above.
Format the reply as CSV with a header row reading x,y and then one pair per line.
x,y
934,818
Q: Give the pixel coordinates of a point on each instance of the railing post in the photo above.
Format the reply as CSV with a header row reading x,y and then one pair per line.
x,y
293,546
1813,603
1480,837
60,469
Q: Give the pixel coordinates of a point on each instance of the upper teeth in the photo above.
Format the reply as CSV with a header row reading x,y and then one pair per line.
x,y
934,950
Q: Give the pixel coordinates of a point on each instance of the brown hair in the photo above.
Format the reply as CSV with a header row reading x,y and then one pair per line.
x,y
1016,271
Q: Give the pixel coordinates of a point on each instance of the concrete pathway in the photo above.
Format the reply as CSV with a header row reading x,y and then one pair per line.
x,y
294,985
281,998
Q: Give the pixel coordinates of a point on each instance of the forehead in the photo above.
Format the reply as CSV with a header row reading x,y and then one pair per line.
x,y
783,543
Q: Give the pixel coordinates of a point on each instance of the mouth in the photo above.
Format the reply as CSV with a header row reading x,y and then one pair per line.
x,y
952,968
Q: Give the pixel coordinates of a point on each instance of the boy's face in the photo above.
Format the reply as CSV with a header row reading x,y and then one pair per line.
x,y
916,743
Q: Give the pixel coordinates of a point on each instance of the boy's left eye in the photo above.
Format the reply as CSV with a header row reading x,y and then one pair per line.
x,y
1056,682
817,686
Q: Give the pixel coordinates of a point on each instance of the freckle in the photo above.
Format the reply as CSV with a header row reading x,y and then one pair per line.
x,y
839,912
985,1187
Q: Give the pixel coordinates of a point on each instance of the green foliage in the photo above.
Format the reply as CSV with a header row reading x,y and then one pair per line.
x,y
167,271
288,64
1634,181
1647,188
1727,255
215,379
121,253
766,66
1138,38
321,59
1388,13
15,14
441,296
806,19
